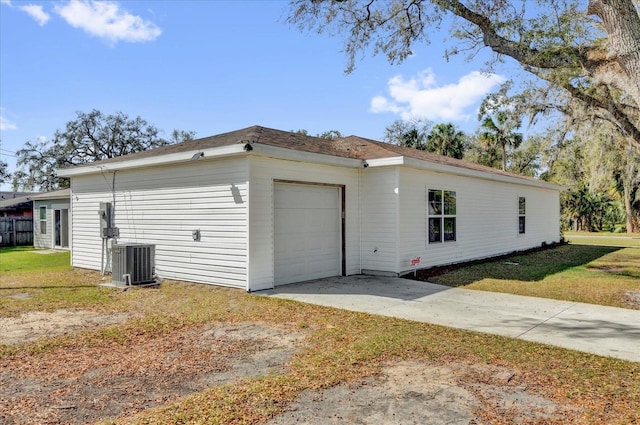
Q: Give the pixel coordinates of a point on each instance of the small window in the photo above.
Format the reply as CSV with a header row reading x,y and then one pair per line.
x,y
522,210
442,215
43,220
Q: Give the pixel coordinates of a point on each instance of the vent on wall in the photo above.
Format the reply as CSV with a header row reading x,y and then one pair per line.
x,y
133,264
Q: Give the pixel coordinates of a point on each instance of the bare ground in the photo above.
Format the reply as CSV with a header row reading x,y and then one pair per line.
x,y
89,384
94,383
37,324
411,392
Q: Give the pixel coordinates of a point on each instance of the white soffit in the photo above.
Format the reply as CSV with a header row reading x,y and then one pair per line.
x,y
302,156
173,158
468,172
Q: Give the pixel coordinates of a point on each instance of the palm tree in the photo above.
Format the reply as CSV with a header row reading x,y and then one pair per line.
x,y
501,132
412,139
445,139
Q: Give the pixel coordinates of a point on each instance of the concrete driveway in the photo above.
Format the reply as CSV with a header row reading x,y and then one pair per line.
x,y
607,331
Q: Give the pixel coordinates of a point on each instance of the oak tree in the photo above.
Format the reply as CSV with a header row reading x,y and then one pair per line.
x,y
4,172
590,49
92,136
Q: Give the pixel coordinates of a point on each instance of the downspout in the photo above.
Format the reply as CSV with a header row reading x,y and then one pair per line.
x,y
113,205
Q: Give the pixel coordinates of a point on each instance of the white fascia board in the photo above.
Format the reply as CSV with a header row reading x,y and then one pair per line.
x,y
385,162
467,172
173,158
301,156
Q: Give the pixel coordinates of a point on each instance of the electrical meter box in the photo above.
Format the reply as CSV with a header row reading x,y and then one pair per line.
x,y
105,219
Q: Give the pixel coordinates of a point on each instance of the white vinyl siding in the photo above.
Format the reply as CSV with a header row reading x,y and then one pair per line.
x,y
163,206
264,174
380,223
485,220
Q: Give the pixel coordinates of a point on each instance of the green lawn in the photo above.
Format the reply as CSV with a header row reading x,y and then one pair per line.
x,y
584,273
341,346
45,281
28,259
604,239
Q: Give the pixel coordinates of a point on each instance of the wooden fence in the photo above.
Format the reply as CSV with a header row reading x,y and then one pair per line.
x,y
16,231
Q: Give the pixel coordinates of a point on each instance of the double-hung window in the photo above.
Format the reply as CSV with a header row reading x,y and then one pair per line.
x,y
522,210
43,220
442,215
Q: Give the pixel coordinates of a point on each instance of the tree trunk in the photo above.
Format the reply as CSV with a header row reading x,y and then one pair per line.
x,y
628,212
504,157
621,21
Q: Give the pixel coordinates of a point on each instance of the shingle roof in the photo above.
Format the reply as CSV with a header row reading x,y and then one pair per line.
x,y
28,197
354,147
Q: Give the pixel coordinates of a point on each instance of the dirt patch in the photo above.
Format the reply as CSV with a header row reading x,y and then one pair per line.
x,y
605,269
39,324
93,383
410,392
633,299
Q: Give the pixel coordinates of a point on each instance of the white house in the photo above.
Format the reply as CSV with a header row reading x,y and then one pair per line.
x,y
51,219
47,215
258,207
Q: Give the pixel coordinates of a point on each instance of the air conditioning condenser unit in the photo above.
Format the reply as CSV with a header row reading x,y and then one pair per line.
x,y
133,264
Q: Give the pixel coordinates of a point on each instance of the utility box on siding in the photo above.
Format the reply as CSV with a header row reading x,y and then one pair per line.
x,y
133,264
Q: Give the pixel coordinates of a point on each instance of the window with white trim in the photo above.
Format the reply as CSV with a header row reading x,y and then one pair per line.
x,y
522,211
43,220
441,215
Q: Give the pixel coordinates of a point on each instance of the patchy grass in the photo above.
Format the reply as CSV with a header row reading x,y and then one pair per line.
x,y
583,273
341,347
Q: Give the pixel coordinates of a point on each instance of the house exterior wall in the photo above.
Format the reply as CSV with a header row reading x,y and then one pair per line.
x,y
231,202
45,240
380,219
486,218
263,173
162,206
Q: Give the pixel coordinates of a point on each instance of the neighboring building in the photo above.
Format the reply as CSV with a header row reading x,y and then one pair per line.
x,y
257,207
44,215
51,219
13,204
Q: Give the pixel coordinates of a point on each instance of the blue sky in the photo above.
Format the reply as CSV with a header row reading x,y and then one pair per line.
x,y
211,67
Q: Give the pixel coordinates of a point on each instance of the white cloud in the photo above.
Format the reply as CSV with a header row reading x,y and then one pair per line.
x,y
106,20
36,12
5,124
421,97
7,2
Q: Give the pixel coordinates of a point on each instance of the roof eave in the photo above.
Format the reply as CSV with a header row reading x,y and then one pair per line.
x,y
468,172
303,156
173,158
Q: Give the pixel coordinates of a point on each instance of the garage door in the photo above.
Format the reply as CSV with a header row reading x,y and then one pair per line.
x,y
307,238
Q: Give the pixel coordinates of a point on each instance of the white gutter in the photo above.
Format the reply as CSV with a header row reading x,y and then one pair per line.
x,y
151,161
300,156
219,152
385,162
468,172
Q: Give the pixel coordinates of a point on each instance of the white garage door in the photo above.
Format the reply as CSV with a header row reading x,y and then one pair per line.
x,y
307,238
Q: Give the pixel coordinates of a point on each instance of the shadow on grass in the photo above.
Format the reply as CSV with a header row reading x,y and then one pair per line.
x,y
13,288
525,266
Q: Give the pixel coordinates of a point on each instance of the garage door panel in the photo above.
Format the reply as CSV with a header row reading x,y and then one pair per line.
x,y
307,232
